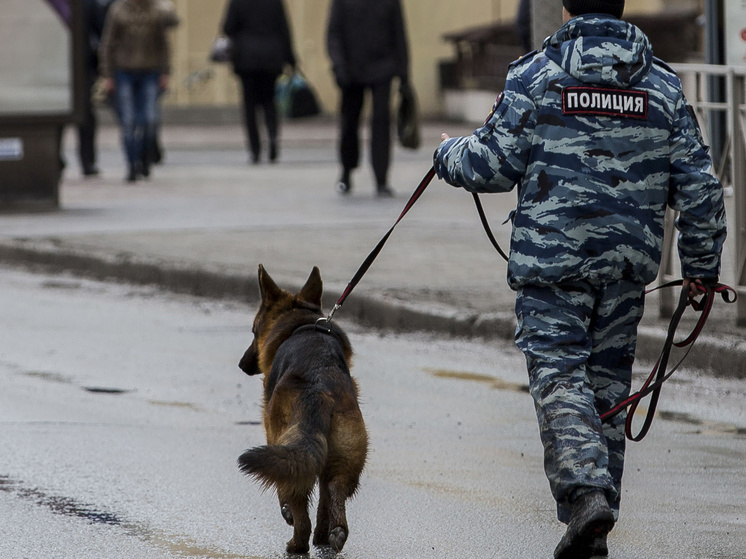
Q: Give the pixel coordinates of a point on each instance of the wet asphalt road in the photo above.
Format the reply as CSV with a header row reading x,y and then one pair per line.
x,y
122,412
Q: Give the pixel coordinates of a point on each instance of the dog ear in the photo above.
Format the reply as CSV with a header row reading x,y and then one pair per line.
x,y
312,291
267,287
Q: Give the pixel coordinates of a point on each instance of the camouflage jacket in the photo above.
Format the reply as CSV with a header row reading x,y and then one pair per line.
x,y
598,138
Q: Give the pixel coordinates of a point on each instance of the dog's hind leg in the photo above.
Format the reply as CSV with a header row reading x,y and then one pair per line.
x,y
340,489
321,532
301,522
285,511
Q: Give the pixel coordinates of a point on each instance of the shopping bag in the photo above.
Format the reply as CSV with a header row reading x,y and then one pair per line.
x,y
295,97
407,119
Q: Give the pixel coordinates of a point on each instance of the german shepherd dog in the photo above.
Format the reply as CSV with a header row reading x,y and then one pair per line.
x,y
314,426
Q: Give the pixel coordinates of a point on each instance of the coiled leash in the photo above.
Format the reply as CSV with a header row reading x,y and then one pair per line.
x,y
652,386
426,180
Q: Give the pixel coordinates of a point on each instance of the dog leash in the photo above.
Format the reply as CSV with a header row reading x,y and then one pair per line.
x,y
658,375
374,253
426,180
652,386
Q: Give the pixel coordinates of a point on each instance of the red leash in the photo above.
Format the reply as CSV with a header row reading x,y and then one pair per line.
x,y
374,253
658,375
426,180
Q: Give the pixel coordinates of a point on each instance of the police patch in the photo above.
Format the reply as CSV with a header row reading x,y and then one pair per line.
x,y
494,107
602,101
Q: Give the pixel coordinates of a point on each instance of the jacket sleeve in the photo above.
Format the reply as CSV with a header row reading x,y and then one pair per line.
x,y
107,44
402,48
494,157
287,38
165,54
335,43
230,22
697,195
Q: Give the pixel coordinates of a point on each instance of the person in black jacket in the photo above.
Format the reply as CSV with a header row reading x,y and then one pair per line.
x,y
262,45
523,25
367,45
94,15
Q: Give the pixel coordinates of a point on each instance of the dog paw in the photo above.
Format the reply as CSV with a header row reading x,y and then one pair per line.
x,y
337,538
286,514
320,537
298,548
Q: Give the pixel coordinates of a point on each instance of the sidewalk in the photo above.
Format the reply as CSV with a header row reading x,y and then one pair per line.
x,y
206,218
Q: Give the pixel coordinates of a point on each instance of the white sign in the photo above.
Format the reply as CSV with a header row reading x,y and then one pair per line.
x,y
11,149
735,32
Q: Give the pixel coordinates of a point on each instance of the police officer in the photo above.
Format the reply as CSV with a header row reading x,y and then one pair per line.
x,y
598,139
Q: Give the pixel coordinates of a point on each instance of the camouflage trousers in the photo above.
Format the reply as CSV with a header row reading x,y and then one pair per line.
x,y
579,341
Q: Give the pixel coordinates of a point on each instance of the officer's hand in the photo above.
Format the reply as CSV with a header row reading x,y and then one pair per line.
x,y
444,136
696,289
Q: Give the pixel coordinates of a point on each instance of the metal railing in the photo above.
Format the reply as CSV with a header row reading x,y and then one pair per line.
x,y
730,168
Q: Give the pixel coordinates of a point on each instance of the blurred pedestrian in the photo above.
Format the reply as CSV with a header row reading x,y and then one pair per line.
x,y
367,45
598,139
94,16
134,62
261,47
523,25
170,19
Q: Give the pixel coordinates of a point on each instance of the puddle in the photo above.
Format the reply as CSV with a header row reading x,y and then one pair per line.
x,y
708,427
493,382
179,546
183,405
51,377
58,504
105,390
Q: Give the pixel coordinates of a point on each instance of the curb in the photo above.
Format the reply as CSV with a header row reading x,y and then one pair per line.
x,y
717,356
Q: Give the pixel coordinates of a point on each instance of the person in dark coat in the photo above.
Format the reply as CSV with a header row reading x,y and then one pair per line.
x,y
523,24
262,46
367,45
94,16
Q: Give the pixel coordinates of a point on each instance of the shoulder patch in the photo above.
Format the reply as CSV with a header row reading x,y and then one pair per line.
x,y
603,101
495,105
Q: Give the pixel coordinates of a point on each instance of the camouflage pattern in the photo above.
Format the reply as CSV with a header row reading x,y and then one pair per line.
x,y
579,342
592,190
598,138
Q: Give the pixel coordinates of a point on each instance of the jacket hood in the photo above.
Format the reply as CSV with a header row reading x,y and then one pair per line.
x,y
601,50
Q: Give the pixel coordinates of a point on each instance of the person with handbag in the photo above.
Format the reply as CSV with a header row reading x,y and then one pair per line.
x,y
367,45
261,45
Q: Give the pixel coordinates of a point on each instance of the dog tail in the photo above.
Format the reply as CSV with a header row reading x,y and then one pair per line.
x,y
294,464
298,461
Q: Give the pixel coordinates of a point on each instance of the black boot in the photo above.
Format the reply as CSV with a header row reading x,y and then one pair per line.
x,y
385,191
344,185
273,153
590,521
599,547
132,173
